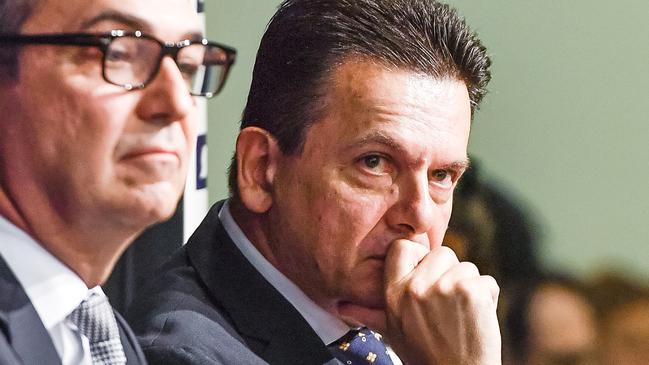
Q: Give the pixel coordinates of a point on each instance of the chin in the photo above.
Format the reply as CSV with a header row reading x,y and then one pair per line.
x,y
164,209
149,206
361,316
160,215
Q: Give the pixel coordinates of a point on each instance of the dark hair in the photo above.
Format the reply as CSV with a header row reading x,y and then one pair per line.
x,y
614,289
13,14
307,39
517,327
501,233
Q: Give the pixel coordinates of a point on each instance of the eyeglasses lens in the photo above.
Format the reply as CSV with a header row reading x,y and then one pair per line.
x,y
131,61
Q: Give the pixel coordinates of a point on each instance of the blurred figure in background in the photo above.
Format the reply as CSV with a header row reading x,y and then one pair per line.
x,y
623,310
491,229
547,319
550,321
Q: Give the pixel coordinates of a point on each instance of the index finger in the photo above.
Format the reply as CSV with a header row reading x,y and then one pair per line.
x,y
402,258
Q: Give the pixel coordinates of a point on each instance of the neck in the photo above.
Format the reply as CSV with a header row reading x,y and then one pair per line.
x,y
90,252
256,228
10,213
251,225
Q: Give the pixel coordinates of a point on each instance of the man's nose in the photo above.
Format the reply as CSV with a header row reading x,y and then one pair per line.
x,y
414,210
166,98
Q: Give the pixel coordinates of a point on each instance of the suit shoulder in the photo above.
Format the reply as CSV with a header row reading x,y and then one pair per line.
x,y
177,322
221,352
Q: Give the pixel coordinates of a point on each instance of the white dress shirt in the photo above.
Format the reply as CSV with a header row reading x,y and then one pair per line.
x,y
53,289
327,326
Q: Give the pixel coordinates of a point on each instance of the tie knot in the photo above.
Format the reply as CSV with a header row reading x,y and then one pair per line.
x,y
359,347
95,319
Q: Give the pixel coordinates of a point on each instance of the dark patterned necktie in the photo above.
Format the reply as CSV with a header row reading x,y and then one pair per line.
x,y
361,347
95,319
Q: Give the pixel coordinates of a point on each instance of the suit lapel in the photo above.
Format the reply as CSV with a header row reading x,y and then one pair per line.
x,y
270,325
132,350
22,326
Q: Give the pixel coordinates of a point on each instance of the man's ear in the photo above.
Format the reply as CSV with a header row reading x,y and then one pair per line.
x,y
257,155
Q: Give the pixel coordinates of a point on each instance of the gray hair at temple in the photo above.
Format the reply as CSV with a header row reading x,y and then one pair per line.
x,y
307,39
13,14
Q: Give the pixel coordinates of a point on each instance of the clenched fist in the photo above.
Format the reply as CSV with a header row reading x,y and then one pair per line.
x,y
439,311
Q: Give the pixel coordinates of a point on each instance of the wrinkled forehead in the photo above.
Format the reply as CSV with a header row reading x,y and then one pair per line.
x,y
166,19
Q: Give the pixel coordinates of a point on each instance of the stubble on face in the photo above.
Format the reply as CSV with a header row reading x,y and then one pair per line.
x,y
333,216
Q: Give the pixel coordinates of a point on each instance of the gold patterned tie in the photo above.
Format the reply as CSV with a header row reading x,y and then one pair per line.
x,y
361,347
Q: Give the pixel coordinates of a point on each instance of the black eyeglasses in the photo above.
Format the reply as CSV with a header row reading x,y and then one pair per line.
x,y
132,59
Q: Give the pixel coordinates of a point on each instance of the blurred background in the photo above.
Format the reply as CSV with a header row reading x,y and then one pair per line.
x,y
556,204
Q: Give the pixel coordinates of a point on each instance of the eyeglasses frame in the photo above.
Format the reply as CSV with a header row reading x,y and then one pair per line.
x,y
103,41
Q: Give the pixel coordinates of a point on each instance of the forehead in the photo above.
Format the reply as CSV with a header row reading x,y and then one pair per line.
x,y
368,85
164,18
366,95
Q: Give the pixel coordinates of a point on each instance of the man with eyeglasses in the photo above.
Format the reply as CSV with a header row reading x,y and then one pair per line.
x,y
99,111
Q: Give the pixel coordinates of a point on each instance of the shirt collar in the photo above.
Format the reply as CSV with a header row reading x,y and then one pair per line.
x,y
327,326
53,289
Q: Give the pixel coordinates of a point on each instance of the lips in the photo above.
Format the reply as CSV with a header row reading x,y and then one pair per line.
x,y
154,152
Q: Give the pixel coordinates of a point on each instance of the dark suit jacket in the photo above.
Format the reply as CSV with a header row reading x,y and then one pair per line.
x,y
24,339
209,305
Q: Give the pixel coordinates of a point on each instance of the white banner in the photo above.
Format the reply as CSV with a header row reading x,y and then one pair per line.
x,y
195,202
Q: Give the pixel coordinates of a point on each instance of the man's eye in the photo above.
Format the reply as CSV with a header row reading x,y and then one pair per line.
x,y
442,178
116,55
372,161
375,164
188,70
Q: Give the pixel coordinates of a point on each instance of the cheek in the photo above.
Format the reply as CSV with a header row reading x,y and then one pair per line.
x,y
445,212
189,127
354,207
330,216
440,224
190,130
65,135
347,217
100,128
72,132
81,119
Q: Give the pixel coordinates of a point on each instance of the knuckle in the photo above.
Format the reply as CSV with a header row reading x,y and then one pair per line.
x,y
469,268
463,290
447,253
444,288
492,284
466,289
415,291
490,281
478,291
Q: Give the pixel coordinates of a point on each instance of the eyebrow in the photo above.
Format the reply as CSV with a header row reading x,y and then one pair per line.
x,y
381,138
458,165
119,17
130,21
